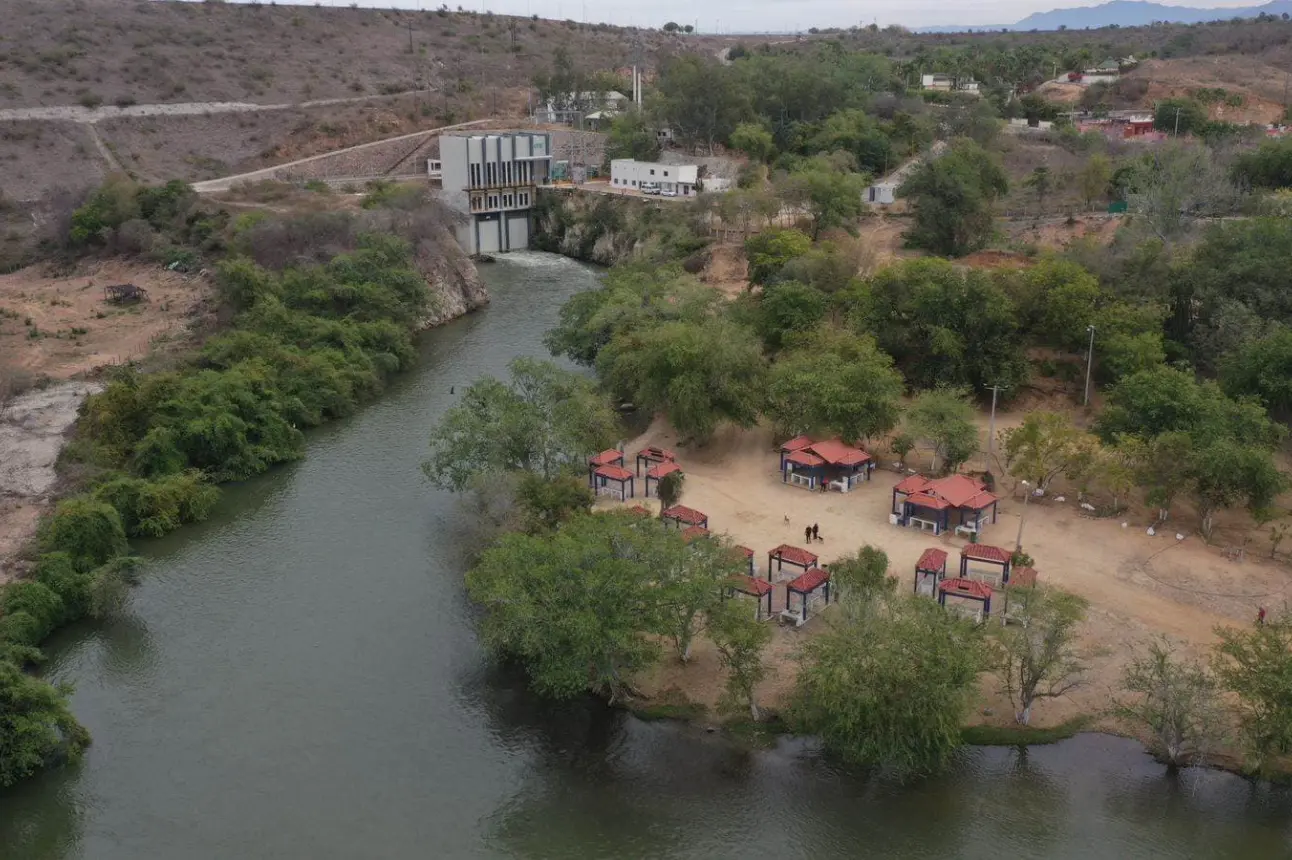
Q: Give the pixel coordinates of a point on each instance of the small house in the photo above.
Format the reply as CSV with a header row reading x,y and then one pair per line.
x,y
820,465
613,481
669,180
956,501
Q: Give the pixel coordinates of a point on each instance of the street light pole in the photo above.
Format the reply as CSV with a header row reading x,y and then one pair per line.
x,y
1090,355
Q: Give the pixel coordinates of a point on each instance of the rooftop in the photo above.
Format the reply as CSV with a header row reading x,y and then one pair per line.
x,y
668,467
810,580
966,588
657,454
694,532
932,559
683,514
958,491
607,458
750,585
794,555
985,552
613,473
804,458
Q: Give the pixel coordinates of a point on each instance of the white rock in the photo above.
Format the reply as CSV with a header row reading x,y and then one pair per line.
x,y
1179,536
1060,498
1151,531
1086,506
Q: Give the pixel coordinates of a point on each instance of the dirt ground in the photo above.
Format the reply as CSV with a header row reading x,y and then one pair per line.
x,y
58,327
1139,586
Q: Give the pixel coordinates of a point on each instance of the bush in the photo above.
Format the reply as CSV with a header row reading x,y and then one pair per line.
x,y
56,571
153,508
89,531
37,601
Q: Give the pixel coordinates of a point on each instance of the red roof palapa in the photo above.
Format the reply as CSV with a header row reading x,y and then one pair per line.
x,y
693,532
804,458
810,580
798,443
794,555
750,585
925,500
966,588
683,514
932,560
613,473
607,458
668,467
958,491
984,552
836,453
654,453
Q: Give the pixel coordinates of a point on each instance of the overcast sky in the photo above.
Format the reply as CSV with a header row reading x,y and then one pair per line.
x,y
744,16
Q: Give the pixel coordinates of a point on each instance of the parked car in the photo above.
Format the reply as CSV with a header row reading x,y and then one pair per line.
x,y
650,188
668,192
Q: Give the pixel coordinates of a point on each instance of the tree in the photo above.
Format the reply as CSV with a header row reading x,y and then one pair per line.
x,y
36,726
834,383
581,607
1094,179
89,531
1254,665
546,421
862,578
702,99
754,141
671,27
1268,166
786,308
1037,658
770,250
631,137
549,502
1225,473
889,687
740,641
1056,299
1041,183
1262,368
832,197
669,489
1175,186
1043,447
1180,116
943,417
954,198
1176,701
700,374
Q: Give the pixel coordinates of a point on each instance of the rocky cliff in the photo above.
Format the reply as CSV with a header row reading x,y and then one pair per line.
x,y
456,287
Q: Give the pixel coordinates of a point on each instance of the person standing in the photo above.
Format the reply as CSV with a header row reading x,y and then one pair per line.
x,y
1260,617
816,532
807,534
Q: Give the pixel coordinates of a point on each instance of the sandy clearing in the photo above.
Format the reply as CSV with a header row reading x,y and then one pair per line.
x,y
1138,586
77,331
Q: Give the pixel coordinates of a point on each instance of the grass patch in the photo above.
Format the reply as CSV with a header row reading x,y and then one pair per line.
x,y
1017,736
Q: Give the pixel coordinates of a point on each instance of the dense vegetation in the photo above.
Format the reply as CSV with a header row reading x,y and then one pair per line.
x,y
317,329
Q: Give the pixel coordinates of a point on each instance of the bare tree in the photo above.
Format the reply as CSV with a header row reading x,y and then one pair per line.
x,y
1176,700
1037,657
1178,185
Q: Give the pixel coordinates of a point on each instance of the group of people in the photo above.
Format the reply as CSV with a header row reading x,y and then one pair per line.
x,y
812,533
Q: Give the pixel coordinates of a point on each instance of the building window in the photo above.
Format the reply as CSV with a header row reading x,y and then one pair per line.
x,y
652,171
666,173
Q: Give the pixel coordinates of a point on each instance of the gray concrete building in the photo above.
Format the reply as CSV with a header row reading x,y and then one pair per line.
x,y
493,179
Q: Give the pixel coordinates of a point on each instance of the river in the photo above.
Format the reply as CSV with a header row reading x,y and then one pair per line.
x,y
298,678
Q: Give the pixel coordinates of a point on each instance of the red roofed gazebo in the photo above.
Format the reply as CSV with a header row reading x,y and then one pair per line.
x,y
681,515
930,570
750,559
814,464
755,588
652,455
613,481
993,556
692,532
804,585
655,473
791,555
966,589
956,501
611,457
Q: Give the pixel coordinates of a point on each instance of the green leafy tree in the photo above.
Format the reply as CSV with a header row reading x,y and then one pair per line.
x,y
1263,369
1176,701
834,383
90,532
786,308
954,198
1254,665
859,134
1268,166
831,197
700,374
1045,446
549,502
740,642
1094,179
1225,474
37,728
754,141
890,687
546,421
1038,657
944,419
688,581
770,251
630,136
862,578
1180,116
1042,183
702,99
1056,300
670,489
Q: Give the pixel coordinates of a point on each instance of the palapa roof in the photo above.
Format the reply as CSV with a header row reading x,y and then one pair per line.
x,y
668,467
986,552
811,579
966,588
794,555
693,532
613,473
912,484
958,491
607,458
932,559
926,500
804,458
750,585
654,453
836,453
683,514
798,443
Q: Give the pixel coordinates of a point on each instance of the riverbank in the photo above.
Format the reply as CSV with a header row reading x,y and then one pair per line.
x,y
1139,587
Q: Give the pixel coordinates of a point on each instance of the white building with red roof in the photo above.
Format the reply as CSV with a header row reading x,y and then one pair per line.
x,y
816,465
955,502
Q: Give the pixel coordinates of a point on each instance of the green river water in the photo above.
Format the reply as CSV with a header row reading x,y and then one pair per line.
x,y
298,678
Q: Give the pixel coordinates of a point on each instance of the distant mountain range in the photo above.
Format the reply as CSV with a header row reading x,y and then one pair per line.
x,y
1123,13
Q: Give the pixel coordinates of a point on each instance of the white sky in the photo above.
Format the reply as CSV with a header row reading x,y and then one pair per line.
x,y
745,16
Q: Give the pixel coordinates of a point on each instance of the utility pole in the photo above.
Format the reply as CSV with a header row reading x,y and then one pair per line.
x,y
410,38
1177,122
991,427
1090,360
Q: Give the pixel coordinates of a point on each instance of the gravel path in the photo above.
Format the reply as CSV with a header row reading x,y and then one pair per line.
x,y
77,113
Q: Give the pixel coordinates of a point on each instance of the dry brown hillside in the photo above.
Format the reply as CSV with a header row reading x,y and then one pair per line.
x,y
55,52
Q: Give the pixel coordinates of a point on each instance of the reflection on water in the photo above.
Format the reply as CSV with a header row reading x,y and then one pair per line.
x,y
298,677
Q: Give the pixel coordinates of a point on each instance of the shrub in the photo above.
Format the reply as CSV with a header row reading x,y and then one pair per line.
x,y
89,531
153,508
39,602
